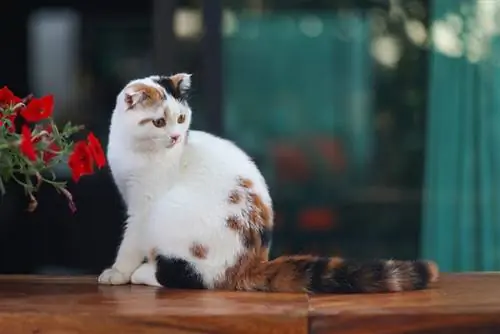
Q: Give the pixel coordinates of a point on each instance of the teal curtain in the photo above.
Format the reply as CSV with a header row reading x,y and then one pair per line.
x,y
298,75
461,220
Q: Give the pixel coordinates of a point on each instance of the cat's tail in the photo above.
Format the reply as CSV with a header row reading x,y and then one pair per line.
x,y
335,275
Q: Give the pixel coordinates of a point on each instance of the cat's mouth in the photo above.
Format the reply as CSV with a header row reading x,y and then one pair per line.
x,y
173,142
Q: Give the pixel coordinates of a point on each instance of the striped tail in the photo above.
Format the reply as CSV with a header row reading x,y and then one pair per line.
x,y
334,275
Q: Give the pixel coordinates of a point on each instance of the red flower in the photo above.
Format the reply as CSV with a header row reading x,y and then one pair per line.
x,y
26,145
81,161
8,98
39,109
11,128
96,150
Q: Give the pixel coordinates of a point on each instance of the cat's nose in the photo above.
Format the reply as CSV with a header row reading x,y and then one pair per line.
x,y
175,138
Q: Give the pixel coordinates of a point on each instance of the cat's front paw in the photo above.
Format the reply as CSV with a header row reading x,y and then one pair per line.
x,y
112,276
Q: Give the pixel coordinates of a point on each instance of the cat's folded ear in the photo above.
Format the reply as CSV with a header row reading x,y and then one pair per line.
x,y
177,85
135,97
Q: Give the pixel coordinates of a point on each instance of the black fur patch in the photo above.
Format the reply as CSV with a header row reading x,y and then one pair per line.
x,y
266,236
252,239
421,277
172,89
169,86
353,276
176,273
363,276
319,281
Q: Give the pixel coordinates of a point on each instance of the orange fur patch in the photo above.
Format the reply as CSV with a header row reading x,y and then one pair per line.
x,y
259,212
234,223
152,95
245,183
260,219
250,237
234,197
264,254
258,215
433,270
233,278
258,222
288,276
282,274
334,263
199,251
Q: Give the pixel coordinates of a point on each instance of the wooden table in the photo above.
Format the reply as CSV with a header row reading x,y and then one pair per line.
x,y
460,303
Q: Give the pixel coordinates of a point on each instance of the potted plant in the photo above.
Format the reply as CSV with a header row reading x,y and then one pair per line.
x,y
31,145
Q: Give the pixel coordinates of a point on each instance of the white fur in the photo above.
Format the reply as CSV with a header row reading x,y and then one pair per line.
x,y
145,275
175,196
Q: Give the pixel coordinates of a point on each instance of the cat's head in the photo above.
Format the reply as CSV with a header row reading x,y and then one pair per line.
x,y
155,109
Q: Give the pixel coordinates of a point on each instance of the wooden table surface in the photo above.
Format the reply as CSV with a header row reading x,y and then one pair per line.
x,y
459,303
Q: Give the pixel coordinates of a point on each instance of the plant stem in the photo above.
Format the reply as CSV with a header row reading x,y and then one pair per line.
x,y
54,183
25,186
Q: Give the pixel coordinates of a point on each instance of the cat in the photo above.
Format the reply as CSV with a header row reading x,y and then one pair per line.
x,y
199,211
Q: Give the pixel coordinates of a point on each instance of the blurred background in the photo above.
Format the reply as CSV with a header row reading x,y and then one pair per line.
x,y
375,122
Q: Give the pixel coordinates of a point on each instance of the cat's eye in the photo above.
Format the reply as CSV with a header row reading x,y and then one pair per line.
x,y
181,119
159,122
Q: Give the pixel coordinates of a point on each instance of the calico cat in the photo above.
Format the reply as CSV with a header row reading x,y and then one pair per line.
x,y
199,211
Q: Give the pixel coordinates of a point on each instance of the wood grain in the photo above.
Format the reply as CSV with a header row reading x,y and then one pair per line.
x,y
38,305
459,303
